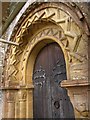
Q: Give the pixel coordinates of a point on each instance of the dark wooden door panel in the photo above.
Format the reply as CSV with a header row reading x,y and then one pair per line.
x,y
50,100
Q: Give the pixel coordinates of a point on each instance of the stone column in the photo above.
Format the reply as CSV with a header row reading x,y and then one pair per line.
x,y
22,102
30,101
17,109
11,109
11,103
5,107
17,106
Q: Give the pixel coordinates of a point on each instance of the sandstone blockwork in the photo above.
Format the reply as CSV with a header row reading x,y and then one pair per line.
x,y
43,23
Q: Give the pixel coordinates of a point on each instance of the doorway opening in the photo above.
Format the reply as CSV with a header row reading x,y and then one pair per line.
x,y
49,99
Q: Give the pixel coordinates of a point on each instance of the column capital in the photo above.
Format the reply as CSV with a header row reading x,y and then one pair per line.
x,y
10,95
22,95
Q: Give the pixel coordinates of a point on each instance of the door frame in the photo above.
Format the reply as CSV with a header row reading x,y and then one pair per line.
x,y
31,57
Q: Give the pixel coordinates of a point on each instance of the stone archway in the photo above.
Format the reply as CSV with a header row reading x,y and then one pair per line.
x,y
45,36
37,46
64,26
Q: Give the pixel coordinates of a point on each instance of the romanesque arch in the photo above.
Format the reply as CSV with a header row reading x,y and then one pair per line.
x,y
60,22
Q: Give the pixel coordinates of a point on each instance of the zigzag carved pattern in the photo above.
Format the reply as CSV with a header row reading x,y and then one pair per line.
x,y
14,62
65,21
57,33
45,14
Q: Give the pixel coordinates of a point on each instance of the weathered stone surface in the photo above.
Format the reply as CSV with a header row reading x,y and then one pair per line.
x,y
59,23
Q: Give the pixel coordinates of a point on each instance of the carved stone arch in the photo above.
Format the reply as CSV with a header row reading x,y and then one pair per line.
x,y
69,8
45,36
73,28
62,18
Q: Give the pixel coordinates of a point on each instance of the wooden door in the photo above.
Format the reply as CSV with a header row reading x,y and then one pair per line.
x,y
49,99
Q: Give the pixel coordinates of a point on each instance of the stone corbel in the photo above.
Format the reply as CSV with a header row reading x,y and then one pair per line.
x,y
78,91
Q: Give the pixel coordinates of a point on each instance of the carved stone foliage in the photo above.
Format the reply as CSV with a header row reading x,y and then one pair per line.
x,y
71,37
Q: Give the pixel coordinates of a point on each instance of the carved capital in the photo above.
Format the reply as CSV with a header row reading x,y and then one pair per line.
x,y
10,95
22,95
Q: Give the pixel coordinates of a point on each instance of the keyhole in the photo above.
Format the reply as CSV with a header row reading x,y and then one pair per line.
x,y
56,104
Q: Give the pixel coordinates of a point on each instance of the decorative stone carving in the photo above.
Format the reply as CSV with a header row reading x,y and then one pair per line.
x,y
79,96
56,21
10,96
81,104
67,33
22,95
